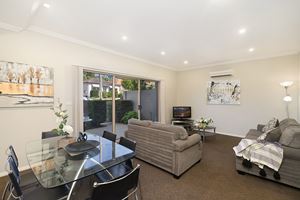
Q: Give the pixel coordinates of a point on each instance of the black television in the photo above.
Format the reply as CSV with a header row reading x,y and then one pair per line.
x,y
182,112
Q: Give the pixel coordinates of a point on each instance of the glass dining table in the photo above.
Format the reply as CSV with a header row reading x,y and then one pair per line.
x,y
54,166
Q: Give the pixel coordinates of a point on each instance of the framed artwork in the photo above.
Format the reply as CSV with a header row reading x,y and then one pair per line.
x,y
224,92
24,85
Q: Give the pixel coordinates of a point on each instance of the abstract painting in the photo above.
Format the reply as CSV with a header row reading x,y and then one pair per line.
x,y
24,85
224,92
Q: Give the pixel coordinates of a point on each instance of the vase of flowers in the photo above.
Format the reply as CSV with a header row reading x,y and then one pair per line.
x,y
63,128
203,122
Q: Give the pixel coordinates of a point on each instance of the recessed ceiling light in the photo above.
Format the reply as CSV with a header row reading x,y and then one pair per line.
x,y
124,37
242,31
163,53
185,62
251,49
46,5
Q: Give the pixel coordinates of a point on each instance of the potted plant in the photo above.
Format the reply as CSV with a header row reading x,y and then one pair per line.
x,y
202,123
63,128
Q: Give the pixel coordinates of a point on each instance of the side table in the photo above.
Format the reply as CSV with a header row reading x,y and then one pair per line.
x,y
204,131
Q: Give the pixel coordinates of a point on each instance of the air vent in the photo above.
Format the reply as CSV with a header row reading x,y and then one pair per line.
x,y
217,74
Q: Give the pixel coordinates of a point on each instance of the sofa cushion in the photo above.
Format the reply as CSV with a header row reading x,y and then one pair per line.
x,y
291,136
287,122
253,134
145,123
274,135
273,123
179,132
181,145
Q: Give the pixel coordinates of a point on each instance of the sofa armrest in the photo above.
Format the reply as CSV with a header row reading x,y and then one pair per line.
x,y
181,145
291,153
260,127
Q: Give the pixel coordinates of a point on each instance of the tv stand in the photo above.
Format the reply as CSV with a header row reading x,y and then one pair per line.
x,y
185,123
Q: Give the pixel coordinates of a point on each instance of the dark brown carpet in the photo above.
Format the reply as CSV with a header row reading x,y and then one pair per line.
x,y
214,178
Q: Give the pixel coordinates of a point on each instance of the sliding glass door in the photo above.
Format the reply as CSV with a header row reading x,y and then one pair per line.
x,y
148,100
109,101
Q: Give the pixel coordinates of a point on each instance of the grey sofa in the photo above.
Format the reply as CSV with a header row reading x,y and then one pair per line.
x,y
165,146
290,141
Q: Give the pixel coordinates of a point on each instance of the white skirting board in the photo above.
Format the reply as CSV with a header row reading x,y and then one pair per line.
x,y
4,173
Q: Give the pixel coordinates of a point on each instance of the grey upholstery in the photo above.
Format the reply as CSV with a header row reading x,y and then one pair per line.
x,y
161,146
290,167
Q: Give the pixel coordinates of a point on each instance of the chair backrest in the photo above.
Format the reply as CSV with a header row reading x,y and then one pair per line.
x,y
127,143
16,189
14,176
13,154
110,136
118,188
48,134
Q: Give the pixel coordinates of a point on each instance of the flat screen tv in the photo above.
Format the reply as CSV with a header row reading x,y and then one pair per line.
x,y
181,112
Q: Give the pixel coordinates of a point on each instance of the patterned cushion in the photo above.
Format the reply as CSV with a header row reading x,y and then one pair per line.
x,y
273,123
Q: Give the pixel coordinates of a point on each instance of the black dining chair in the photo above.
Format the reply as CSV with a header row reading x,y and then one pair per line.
x,y
48,134
120,169
130,145
110,136
28,179
15,191
117,189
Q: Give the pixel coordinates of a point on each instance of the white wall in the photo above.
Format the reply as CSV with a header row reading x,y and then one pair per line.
x,y
261,94
20,125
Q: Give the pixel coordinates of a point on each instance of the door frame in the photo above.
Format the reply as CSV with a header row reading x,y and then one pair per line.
x,y
78,108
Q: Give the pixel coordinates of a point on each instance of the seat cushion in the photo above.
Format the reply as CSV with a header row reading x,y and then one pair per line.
x,y
253,134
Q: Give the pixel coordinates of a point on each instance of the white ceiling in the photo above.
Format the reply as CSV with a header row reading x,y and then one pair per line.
x,y
204,32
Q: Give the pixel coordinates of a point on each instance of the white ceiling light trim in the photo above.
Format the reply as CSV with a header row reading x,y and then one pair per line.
x,y
46,5
251,49
93,46
162,53
242,31
124,38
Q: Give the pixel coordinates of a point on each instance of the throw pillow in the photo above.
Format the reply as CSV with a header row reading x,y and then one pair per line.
x,y
262,137
273,123
274,135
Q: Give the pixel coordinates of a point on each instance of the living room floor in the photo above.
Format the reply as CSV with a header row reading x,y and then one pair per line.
x,y
214,178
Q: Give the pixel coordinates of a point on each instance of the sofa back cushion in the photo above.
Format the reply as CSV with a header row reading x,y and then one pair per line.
x,y
290,133
291,137
145,123
286,123
178,131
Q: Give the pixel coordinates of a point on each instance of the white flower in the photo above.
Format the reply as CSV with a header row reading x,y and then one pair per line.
x,y
62,114
59,120
68,129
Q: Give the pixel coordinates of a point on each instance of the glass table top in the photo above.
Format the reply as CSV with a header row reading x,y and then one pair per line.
x,y
53,166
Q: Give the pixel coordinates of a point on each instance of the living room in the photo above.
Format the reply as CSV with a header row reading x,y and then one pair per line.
x,y
259,47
